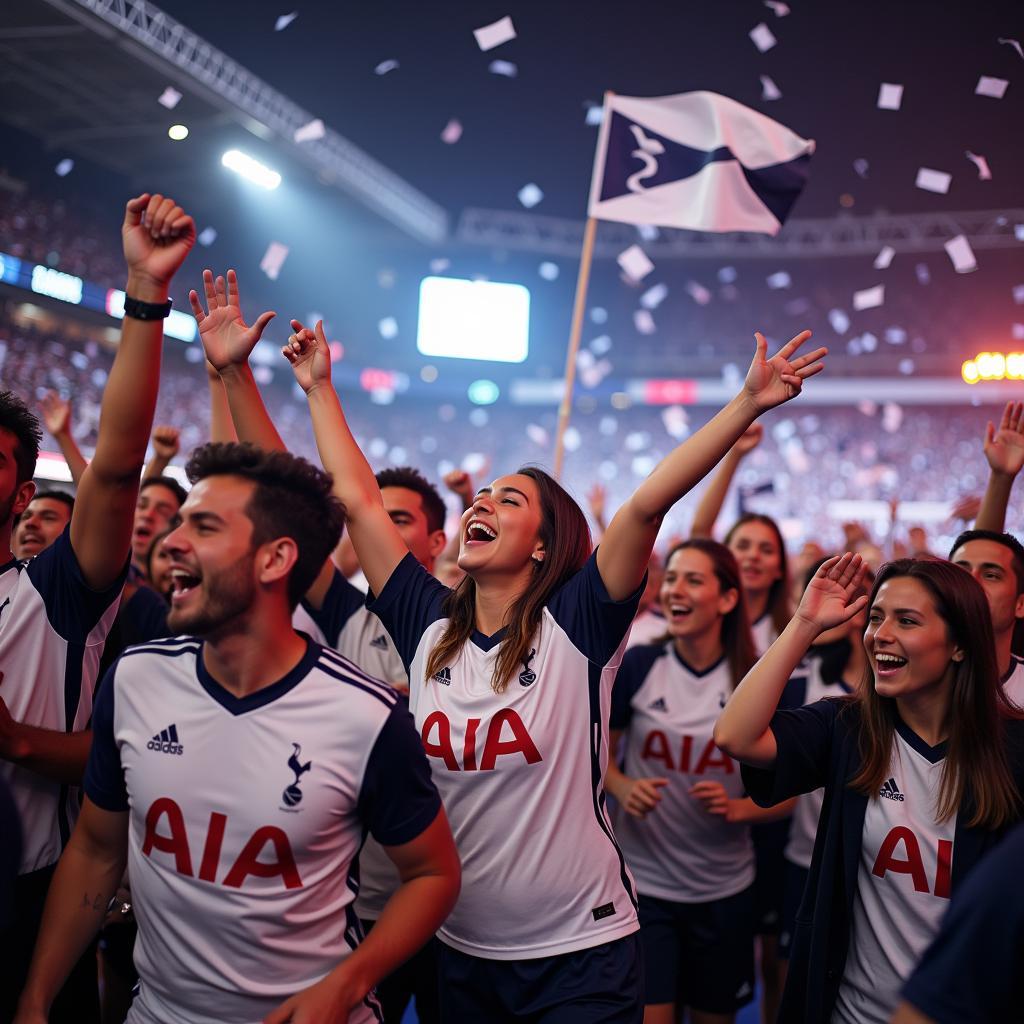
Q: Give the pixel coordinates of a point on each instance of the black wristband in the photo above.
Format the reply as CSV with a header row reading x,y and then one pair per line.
x,y
139,310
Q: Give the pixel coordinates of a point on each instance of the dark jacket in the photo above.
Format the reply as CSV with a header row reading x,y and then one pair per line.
x,y
817,746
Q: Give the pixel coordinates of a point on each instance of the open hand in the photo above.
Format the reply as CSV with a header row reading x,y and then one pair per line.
x,y
770,382
310,355
829,599
56,413
157,235
227,339
1004,448
596,497
643,796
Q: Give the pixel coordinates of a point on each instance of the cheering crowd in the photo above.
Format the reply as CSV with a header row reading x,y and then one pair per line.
x,y
523,778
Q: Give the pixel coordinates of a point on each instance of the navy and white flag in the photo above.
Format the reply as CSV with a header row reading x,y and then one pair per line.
x,y
696,160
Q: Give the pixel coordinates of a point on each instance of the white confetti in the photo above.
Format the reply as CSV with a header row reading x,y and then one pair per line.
x,y
595,115
780,279
169,98
310,132
727,274
284,21
530,195
648,232
933,181
839,320
64,167
1018,232
439,265
452,132
273,260
906,367
895,335
890,96
994,87
1018,294
984,174
490,36
385,66
860,165
779,9
1017,330
1015,44
207,236
769,90
549,271
761,36
924,275
388,328
654,296
644,322
599,315
868,341
503,67
869,298
600,345
537,434
698,293
961,255
634,263
884,258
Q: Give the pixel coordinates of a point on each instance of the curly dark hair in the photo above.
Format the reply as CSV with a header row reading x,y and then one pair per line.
x,y
16,418
413,480
292,498
56,495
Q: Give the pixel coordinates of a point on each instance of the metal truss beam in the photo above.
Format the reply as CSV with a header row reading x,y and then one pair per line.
x,y
800,238
163,41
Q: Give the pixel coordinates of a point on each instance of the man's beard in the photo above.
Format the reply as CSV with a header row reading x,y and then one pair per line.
x,y
229,595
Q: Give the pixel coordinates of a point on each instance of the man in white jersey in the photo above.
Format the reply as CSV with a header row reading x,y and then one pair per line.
x,y
237,770
41,523
996,561
56,610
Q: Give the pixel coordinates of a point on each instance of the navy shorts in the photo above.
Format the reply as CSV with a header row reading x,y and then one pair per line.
x,y
699,955
769,840
792,894
600,985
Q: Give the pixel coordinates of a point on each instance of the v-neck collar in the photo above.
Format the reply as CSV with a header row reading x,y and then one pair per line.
x,y
488,643
931,754
689,668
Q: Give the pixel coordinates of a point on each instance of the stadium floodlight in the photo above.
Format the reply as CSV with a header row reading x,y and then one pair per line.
x,y
177,132
483,320
251,169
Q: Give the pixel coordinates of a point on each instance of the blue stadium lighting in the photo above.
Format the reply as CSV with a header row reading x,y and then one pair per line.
x,y
483,392
483,320
251,169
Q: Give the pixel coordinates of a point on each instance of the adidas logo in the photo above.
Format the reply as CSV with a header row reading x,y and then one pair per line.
x,y
444,676
166,741
890,790
658,705
381,643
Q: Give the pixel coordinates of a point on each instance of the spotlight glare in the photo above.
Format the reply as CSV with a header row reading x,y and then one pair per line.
x,y
250,169
177,132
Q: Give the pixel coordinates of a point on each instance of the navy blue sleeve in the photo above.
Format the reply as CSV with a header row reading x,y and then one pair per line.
x,y
72,606
593,622
340,603
410,601
104,776
145,615
971,973
636,663
398,799
804,739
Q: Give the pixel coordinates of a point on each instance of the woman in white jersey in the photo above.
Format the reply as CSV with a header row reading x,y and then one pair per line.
x,y
922,772
510,683
682,819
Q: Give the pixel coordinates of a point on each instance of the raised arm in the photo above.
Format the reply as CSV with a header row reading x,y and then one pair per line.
x,y
166,444
1004,451
710,505
228,341
57,420
222,427
375,537
87,877
743,730
157,236
627,544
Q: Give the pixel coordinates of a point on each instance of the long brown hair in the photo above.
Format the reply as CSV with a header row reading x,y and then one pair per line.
x,y
566,538
737,640
778,593
976,753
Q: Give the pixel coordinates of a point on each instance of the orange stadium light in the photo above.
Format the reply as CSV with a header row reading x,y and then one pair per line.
x,y
993,366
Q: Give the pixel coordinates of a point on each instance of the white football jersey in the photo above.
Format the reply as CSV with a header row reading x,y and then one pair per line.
x,y
1013,684
764,633
521,772
648,627
903,882
344,624
52,630
804,824
668,711
246,817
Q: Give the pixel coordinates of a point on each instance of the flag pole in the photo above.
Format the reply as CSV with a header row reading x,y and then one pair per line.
x,y
579,305
582,280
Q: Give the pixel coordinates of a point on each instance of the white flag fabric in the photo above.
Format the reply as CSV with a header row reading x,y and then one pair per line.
x,y
696,160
